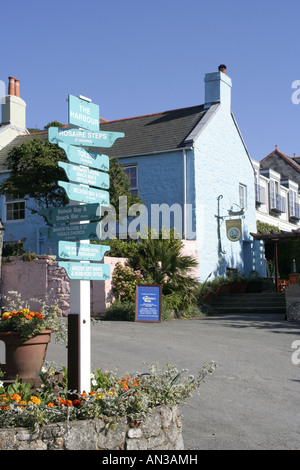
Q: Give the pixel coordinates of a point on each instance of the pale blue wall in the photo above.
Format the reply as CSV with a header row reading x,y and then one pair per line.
x,y
28,229
221,164
160,180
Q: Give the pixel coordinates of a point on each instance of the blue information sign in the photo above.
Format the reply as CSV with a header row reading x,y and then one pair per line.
x,y
82,157
79,193
83,137
86,271
85,175
148,303
83,113
81,251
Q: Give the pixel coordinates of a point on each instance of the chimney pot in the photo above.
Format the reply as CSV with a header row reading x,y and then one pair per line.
x,y
11,85
222,68
17,87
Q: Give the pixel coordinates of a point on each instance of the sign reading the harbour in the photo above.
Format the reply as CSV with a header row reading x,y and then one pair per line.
x,y
82,113
86,271
83,137
85,175
82,157
81,251
79,193
148,303
75,213
76,232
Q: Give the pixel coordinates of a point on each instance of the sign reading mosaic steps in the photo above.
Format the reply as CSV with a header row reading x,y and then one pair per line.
x,y
75,225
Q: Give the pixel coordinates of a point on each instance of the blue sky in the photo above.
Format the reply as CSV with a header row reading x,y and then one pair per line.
x,y
136,57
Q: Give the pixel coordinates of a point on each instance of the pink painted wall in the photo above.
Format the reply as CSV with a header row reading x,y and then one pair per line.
x,y
42,278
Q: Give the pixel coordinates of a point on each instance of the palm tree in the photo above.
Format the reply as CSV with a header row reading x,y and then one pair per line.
x,y
162,262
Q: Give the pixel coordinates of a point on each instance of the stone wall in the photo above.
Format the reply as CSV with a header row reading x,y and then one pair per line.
x,y
42,278
162,430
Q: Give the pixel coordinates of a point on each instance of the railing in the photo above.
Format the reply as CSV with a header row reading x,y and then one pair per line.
x,y
278,203
294,209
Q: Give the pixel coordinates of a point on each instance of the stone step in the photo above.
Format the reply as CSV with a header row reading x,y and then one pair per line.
x,y
251,309
250,303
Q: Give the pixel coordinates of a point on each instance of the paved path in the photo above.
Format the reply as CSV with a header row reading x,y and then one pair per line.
x,y
251,402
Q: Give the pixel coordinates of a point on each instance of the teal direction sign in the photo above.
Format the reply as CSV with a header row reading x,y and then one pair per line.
x,y
81,251
148,303
74,213
85,175
79,193
83,113
83,137
86,271
83,157
75,232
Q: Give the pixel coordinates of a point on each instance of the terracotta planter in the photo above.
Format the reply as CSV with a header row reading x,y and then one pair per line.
x,y
24,359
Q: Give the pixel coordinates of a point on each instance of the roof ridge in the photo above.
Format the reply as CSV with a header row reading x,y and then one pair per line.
x,y
285,156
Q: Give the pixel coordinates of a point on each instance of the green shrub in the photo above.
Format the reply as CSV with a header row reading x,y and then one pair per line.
x,y
124,280
121,311
125,311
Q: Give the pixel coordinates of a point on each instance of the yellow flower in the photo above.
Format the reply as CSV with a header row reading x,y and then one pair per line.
x,y
6,315
35,401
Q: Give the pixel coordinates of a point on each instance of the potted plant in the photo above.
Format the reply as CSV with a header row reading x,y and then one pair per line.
x,y
26,335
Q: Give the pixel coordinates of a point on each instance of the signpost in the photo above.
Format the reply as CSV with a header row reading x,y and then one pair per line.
x,y
76,232
83,113
80,193
148,303
75,225
82,157
85,175
86,271
82,137
74,213
81,251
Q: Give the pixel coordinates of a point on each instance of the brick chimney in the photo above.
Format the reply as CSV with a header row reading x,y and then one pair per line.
x,y
13,107
218,88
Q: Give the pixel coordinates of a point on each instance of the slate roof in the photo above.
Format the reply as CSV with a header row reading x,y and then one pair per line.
x,y
287,166
143,134
154,132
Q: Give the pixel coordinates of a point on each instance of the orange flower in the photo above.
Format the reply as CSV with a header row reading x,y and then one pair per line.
x,y
22,403
76,402
67,403
15,397
50,405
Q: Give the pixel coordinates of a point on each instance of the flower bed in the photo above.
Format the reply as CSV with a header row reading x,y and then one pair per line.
x,y
138,412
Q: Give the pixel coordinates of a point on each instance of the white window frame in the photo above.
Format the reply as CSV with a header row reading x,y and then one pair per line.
x,y
242,196
133,188
12,200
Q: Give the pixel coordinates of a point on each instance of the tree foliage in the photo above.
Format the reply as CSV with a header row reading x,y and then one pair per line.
x,y
34,173
161,261
120,186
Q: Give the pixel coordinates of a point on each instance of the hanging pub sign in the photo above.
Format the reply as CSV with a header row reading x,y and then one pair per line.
x,y
234,229
148,302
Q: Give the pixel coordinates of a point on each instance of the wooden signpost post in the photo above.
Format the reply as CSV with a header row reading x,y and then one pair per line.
x,y
73,228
